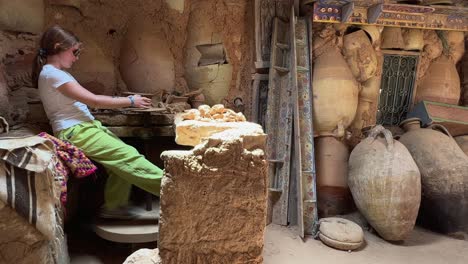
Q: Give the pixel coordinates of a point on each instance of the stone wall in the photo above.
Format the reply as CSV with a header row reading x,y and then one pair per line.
x,y
20,242
213,201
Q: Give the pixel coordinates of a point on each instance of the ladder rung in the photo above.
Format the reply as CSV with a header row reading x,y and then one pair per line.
x,y
276,190
300,42
282,45
281,69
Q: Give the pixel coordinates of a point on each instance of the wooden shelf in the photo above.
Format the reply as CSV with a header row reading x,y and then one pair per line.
x,y
393,15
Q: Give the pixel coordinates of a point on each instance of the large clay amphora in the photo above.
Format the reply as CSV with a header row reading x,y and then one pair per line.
x,y
146,61
360,55
441,83
444,176
335,94
386,184
334,197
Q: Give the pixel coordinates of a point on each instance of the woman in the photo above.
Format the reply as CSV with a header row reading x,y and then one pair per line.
x,y
65,103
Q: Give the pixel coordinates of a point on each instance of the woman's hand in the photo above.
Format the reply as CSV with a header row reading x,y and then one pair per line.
x,y
140,101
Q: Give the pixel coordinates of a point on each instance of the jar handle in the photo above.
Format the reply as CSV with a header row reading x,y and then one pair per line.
x,y
440,128
377,130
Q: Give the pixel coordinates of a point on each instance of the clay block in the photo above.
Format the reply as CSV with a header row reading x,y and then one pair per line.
x,y
214,200
191,132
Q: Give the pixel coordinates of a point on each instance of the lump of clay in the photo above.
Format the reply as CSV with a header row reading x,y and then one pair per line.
x,y
217,113
196,124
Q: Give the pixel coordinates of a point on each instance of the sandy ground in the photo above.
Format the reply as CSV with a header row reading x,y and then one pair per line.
x,y
283,247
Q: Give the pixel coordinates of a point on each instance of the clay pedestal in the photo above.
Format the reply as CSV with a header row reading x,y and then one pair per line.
x,y
214,201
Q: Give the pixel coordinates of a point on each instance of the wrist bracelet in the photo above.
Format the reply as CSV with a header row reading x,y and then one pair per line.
x,y
132,101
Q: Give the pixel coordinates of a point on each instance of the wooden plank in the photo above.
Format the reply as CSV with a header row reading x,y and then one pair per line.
x,y
295,191
304,102
264,13
133,119
347,12
279,125
453,117
373,13
259,98
392,15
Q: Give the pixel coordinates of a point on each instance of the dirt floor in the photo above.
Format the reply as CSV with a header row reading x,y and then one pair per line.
x,y
283,247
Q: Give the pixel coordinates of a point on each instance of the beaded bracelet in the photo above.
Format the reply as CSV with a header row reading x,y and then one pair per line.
x,y
132,101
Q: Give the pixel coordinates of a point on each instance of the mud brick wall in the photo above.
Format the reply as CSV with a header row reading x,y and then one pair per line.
x,y
213,201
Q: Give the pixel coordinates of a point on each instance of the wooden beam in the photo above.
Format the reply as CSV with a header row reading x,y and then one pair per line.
x,y
373,13
347,11
142,132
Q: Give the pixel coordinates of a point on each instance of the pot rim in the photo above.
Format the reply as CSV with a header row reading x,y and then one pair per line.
x,y
410,120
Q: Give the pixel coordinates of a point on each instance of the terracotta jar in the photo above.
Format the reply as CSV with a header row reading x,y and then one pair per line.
x,y
392,38
444,176
335,94
441,83
214,79
386,184
366,113
22,16
146,61
374,33
331,158
413,38
360,55
94,70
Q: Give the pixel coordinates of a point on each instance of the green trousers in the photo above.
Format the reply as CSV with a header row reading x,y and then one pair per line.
x,y
124,165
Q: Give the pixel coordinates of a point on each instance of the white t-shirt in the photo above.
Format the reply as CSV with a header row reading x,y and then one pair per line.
x,y
63,112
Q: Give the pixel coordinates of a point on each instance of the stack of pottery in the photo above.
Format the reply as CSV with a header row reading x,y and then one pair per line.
x,y
444,176
441,83
333,195
335,94
386,184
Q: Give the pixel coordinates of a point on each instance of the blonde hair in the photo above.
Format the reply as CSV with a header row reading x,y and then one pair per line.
x,y
53,41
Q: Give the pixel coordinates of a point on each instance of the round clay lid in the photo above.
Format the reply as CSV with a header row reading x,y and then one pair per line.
x,y
340,229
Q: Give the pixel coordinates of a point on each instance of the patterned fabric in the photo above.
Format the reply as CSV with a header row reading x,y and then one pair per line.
x,y
70,160
74,159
